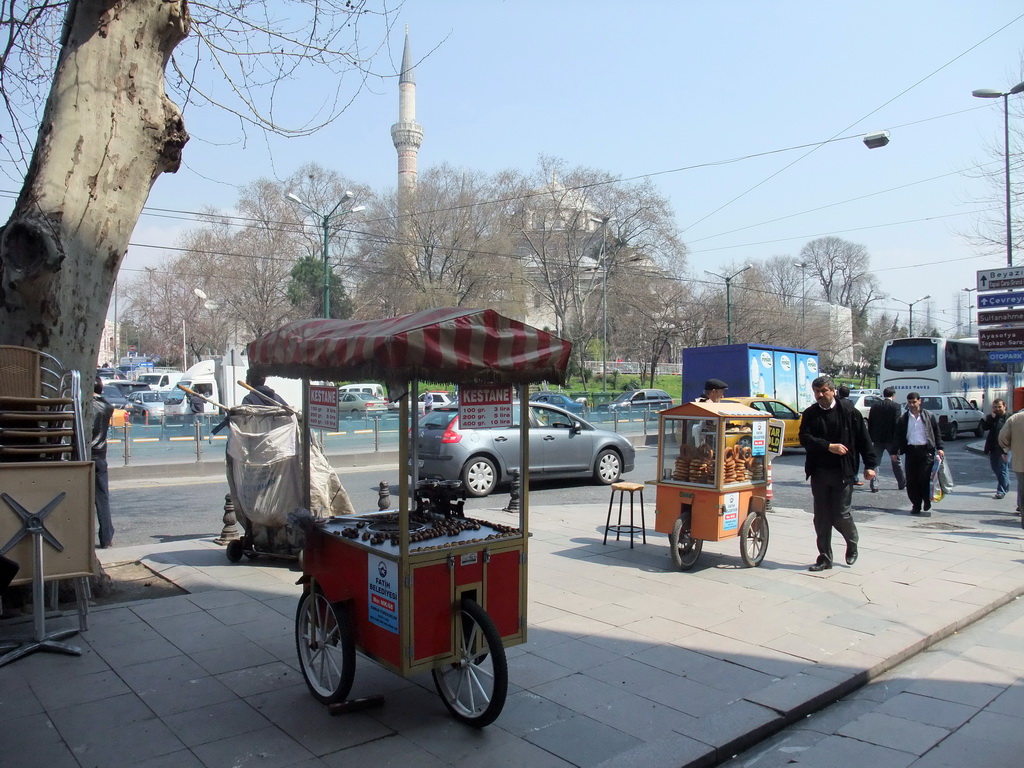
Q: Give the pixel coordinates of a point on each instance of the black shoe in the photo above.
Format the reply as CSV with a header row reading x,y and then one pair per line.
x,y
821,565
927,504
874,485
851,554
915,511
901,487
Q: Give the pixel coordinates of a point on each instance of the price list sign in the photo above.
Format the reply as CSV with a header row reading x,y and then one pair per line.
x,y
323,407
486,406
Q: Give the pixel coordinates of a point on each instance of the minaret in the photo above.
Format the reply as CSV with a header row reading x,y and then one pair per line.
x,y
406,134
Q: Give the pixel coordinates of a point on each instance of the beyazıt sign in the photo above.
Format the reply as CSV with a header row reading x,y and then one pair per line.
x,y
1000,279
486,406
322,408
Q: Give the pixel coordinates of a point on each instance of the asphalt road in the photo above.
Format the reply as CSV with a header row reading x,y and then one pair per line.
x,y
163,510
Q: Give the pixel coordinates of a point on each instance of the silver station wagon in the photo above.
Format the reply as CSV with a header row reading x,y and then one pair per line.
x,y
561,445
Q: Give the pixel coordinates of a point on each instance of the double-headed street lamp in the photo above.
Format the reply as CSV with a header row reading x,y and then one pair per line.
x,y
988,93
325,222
802,266
910,308
728,297
970,306
602,263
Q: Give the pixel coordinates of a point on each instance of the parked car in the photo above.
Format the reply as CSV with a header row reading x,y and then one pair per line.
x,y
356,405
561,445
146,406
559,399
162,380
370,388
440,399
177,407
113,396
640,400
127,387
954,414
864,400
110,374
778,409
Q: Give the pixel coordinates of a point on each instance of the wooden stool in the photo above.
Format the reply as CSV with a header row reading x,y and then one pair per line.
x,y
632,489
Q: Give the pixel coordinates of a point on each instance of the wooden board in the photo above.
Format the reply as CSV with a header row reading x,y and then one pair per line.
x,y
72,522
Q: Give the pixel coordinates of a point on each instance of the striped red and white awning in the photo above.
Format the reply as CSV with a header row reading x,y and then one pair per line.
x,y
458,346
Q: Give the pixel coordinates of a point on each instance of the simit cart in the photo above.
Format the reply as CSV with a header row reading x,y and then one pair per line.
x,y
713,461
421,588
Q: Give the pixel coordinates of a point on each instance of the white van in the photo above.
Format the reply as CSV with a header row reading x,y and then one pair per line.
x,y
377,390
160,381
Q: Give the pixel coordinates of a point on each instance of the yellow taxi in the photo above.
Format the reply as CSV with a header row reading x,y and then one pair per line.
x,y
778,410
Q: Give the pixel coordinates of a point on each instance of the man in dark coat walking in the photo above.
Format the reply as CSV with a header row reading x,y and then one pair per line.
x,y
919,439
882,420
834,434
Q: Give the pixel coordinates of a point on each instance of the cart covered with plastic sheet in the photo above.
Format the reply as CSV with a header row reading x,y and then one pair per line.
x,y
265,478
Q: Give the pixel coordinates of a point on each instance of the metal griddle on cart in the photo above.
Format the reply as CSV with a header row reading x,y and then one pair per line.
x,y
430,588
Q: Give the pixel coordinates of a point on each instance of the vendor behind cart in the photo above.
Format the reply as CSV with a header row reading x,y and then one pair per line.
x,y
259,383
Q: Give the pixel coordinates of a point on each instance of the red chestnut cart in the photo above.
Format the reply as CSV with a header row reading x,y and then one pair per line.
x,y
424,588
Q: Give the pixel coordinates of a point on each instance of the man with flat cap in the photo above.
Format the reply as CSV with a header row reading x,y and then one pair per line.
x,y
714,391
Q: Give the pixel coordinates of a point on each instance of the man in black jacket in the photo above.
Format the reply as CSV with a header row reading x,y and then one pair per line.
x,y
882,419
834,434
919,439
100,411
997,457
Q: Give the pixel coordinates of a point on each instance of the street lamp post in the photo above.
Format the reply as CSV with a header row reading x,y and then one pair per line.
x,y
910,307
325,223
728,297
803,294
602,262
969,307
988,93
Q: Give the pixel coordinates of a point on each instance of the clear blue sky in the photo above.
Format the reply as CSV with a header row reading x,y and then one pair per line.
x,y
658,85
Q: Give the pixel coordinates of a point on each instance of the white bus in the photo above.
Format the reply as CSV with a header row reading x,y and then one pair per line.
x,y
931,366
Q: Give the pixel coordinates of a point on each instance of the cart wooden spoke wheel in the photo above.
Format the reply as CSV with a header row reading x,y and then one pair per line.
x,y
685,549
754,539
474,686
326,646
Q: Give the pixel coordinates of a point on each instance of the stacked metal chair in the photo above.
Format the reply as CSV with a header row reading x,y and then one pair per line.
x,y
42,431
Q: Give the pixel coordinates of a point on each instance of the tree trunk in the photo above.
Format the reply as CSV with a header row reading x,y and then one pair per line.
x,y
108,131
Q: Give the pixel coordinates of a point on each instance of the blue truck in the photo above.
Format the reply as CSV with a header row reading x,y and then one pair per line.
x,y
783,373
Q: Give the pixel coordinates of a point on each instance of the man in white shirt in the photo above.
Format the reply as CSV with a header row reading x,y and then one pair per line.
x,y
919,439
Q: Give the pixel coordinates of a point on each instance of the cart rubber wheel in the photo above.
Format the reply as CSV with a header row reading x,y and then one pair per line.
x,y
685,548
326,644
475,685
753,539
479,476
234,550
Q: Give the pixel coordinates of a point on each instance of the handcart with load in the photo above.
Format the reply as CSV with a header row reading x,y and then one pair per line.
x,y
422,588
264,461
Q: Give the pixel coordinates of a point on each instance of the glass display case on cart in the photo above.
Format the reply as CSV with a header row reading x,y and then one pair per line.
x,y
713,466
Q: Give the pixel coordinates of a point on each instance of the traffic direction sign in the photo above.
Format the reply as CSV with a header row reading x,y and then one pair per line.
x,y
1000,279
1000,338
1009,356
993,300
1001,317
